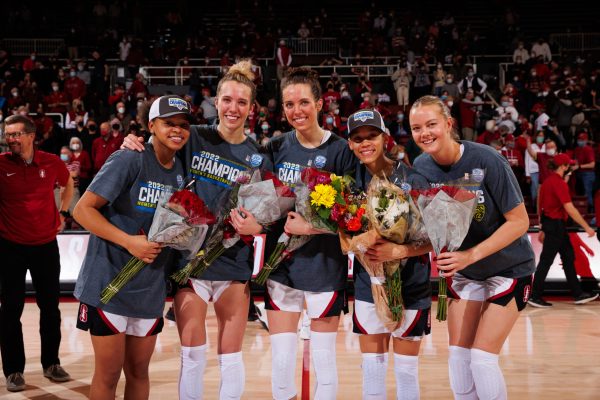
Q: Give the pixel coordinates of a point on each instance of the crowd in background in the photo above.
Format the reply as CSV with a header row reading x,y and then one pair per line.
x,y
548,103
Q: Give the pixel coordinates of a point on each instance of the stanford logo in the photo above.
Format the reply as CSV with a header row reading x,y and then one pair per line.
x,y
83,313
42,173
526,293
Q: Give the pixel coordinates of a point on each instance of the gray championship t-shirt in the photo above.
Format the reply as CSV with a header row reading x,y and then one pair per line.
x,y
497,192
132,183
416,287
216,164
319,265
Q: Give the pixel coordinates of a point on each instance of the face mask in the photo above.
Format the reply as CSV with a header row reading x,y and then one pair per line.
x,y
505,104
516,79
400,117
139,103
92,128
15,94
55,88
80,124
329,120
75,146
264,127
551,152
32,58
450,103
345,94
510,145
336,111
121,110
261,114
400,156
533,73
64,157
443,97
116,127
247,131
80,67
449,81
72,74
539,140
103,133
471,74
544,94
581,143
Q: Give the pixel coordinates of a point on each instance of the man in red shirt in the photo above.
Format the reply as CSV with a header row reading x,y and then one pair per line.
x,y
29,222
556,206
57,101
74,86
105,145
585,157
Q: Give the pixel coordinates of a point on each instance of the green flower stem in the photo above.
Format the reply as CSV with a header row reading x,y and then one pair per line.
x,y
442,308
204,262
271,264
393,289
133,266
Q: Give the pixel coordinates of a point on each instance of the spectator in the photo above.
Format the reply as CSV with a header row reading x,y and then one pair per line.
x,y
74,87
208,106
541,48
532,169
82,158
506,114
468,115
584,155
121,116
104,146
521,54
137,86
451,86
283,58
29,222
77,115
472,81
401,79
330,96
73,166
83,73
439,79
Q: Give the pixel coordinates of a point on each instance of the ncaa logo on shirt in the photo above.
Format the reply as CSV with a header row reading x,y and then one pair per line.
x,y
178,103
405,186
256,160
179,180
320,161
42,173
478,175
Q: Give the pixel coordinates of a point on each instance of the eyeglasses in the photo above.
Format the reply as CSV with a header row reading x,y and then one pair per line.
x,y
359,139
15,135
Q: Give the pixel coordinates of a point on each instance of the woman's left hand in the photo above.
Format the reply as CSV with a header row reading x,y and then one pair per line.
x,y
452,262
244,222
384,250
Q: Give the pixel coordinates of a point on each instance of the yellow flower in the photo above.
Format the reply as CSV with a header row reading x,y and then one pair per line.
x,y
323,195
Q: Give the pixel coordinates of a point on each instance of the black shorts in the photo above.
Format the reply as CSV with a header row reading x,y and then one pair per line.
x,y
101,323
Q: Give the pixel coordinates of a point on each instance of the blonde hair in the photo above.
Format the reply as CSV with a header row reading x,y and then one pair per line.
x,y
240,72
430,100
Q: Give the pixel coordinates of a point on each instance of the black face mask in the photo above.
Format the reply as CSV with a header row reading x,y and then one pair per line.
x,y
80,124
116,127
92,128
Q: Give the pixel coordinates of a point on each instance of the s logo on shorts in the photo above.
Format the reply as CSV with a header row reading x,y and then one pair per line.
x,y
83,313
526,293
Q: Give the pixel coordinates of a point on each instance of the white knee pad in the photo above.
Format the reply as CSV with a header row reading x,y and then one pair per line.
x,y
406,371
489,381
191,375
284,347
374,368
322,350
233,376
461,378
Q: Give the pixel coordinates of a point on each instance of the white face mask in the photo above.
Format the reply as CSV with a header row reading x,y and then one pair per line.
x,y
55,88
75,146
400,156
121,110
551,152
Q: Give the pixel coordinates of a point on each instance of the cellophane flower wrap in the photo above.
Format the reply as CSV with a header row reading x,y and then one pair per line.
x,y
394,216
317,193
181,221
263,195
447,213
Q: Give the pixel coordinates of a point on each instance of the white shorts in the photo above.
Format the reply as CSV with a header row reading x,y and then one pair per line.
x,y
318,304
208,290
415,325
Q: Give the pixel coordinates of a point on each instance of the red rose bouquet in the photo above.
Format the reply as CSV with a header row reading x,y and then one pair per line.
x,y
180,221
259,192
447,213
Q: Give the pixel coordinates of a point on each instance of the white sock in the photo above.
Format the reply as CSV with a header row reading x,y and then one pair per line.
x,y
461,378
284,347
374,368
233,376
487,375
191,374
406,370
322,352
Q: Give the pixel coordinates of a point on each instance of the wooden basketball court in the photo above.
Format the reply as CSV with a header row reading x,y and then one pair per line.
x,y
551,354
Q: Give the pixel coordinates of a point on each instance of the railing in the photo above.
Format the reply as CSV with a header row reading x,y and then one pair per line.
x,y
58,117
42,47
576,41
178,75
312,46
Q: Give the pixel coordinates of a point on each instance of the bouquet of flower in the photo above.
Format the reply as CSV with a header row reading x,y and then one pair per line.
x,y
259,192
180,221
447,213
317,195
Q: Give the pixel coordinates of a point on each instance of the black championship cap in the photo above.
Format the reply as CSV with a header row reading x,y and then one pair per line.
x,y
365,118
167,106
